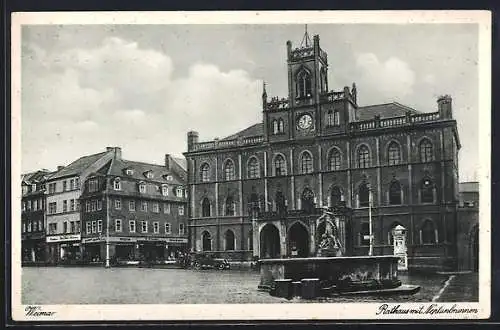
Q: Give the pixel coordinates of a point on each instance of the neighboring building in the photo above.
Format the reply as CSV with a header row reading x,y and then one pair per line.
x,y
33,216
468,226
63,191
257,193
138,209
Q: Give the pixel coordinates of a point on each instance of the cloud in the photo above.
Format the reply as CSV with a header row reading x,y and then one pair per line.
x,y
389,79
78,101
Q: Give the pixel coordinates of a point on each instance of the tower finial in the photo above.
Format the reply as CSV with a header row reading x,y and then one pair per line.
x,y
264,92
306,41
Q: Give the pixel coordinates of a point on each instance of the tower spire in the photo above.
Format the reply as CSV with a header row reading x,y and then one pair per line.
x,y
306,40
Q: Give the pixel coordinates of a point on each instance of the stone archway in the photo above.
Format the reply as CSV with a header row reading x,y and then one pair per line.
x,y
269,242
298,241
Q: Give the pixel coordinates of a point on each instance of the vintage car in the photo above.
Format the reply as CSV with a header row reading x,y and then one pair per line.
x,y
206,261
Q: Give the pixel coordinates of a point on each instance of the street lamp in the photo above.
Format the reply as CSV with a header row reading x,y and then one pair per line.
x,y
107,232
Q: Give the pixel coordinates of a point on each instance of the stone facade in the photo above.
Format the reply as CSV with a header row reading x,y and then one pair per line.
x,y
317,148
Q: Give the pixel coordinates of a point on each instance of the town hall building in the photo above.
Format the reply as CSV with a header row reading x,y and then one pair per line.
x,y
259,192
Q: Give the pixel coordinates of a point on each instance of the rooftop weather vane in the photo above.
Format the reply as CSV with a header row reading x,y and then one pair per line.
x,y
306,41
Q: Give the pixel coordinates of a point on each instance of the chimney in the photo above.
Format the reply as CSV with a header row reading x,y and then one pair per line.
x,y
60,167
167,161
116,150
444,107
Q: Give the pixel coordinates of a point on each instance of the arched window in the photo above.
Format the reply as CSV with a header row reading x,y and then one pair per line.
x,y
335,196
206,241
308,200
205,172
428,233
363,157
253,168
364,195
306,163
279,165
229,170
275,126
280,202
426,153
329,118
394,154
395,193
334,160
117,184
390,236
205,207
229,240
426,191
281,126
230,206
303,84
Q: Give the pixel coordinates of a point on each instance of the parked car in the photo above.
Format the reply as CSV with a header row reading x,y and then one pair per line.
x,y
206,261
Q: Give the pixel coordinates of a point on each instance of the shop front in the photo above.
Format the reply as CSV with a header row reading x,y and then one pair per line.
x,y
176,247
151,249
63,249
33,248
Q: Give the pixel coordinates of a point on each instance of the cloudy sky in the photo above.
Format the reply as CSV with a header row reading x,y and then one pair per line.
x,y
142,87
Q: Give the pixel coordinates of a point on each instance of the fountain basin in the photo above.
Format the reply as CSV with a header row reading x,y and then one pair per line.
x,y
336,274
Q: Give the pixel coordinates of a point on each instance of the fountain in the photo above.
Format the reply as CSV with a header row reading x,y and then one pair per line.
x,y
330,271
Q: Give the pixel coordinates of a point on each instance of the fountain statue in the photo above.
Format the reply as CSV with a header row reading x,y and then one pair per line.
x,y
330,245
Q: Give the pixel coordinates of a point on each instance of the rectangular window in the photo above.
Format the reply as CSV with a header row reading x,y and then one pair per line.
x,y
131,206
24,227
99,205
118,225
118,185
29,227
181,209
29,205
118,204
72,184
77,183
164,190
181,229
52,228
156,208
65,206
144,206
52,188
142,188
35,205
24,206
65,226
99,226
73,228
88,227
35,225
168,228
87,206
52,207
131,226
40,225
144,226
94,227
93,185
156,227
179,191
78,226
72,205
93,206
64,185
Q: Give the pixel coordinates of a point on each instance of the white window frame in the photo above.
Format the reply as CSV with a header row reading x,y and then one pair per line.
x,y
99,226
130,203
118,204
118,225
166,208
144,222
88,225
156,207
156,227
117,184
94,227
131,226
181,209
168,228
142,188
182,229
164,190
142,206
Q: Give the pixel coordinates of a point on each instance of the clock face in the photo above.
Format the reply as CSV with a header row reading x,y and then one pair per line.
x,y
305,121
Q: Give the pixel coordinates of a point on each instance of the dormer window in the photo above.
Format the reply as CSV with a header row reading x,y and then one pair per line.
x,y
117,185
164,190
33,187
149,174
129,171
179,192
142,187
169,177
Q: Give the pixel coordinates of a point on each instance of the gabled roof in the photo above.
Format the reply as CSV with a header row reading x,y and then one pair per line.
x,y
386,110
78,166
254,130
36,176
181,162
119,167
